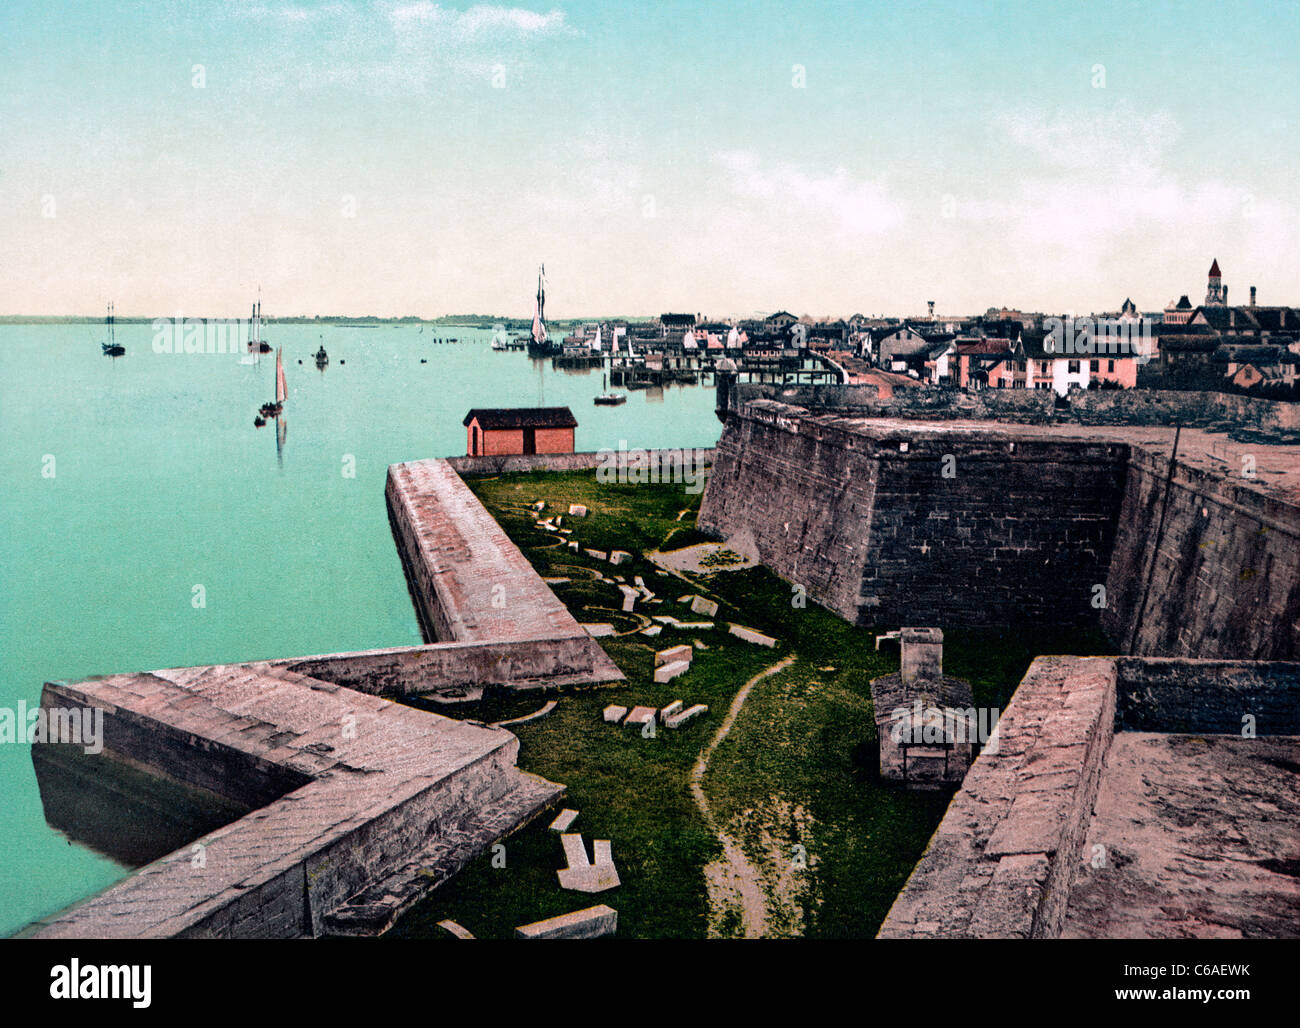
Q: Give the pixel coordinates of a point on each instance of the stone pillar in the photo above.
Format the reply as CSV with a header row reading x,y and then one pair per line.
x,y
922,655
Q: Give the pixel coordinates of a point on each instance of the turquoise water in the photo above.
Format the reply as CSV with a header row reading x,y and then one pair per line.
x,y
160,483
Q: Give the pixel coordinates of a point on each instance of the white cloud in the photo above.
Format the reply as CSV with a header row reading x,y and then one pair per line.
x,y
851,208
478,21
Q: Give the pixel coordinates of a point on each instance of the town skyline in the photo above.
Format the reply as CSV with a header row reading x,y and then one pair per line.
x,y
421,159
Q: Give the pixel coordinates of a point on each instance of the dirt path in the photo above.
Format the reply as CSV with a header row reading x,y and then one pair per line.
x,y
733,882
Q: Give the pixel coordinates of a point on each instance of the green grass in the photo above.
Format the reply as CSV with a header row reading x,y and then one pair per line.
x,y
797,767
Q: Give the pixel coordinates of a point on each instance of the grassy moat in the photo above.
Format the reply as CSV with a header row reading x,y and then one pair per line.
x,y
794,781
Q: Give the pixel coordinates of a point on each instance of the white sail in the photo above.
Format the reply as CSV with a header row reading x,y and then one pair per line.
x,y
539,311
281,390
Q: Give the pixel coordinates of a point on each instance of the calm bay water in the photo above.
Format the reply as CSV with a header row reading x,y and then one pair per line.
x,y
161,483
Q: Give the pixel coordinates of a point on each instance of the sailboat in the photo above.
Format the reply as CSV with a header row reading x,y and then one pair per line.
x,y
273,410
110,346
539,344
608,399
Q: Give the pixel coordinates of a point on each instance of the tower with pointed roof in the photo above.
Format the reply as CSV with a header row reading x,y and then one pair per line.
x,y
1216,293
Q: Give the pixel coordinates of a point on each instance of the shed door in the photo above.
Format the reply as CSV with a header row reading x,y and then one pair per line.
x,y
530,440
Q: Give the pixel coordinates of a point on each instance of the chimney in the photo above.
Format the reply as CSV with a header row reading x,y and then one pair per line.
x,y
922,655
1252,296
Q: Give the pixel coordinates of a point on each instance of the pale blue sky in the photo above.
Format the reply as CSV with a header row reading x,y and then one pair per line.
x,y
359,157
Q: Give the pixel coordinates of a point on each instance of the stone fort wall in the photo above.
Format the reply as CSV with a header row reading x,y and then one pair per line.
x,y
886,525
894,521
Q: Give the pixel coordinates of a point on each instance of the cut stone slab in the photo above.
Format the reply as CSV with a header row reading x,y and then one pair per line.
x,y
614,713
685,599
582,875
577,510
589,923
701,605
666,712
629,597
667,672
640,716
573,545
595,554
674,653
563,820
599,630
556,581
749,635
652,631
457,930
677,720
619,556
672,622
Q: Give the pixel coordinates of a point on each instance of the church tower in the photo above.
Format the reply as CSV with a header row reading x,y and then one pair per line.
x,y
1216,294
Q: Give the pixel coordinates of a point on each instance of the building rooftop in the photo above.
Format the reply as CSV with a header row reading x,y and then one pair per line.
x,y
522,417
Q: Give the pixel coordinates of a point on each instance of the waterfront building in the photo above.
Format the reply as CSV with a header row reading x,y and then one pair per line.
x,y
500,431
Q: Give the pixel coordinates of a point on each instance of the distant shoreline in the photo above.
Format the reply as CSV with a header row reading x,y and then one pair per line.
x,y
335,321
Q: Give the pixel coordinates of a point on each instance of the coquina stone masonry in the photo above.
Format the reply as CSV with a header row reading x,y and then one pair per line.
x,y
888,522
891,523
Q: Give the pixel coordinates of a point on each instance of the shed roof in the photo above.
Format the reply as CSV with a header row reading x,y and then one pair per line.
x,y
522,417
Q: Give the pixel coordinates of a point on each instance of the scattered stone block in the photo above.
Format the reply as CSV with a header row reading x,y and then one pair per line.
x,y
564,818
539,506
667,672
707,607
685,599
599,630
595,554
583,875
577,510
652,630
614,713
666,712
617,557
749,635
573,545
673,653
629,597
589,923
640,716
672,622
680,718
556,581
457,930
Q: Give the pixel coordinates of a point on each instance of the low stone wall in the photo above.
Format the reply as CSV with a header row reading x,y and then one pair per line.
x,y
472,585
587,461
444,667
1213,697
1001,862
